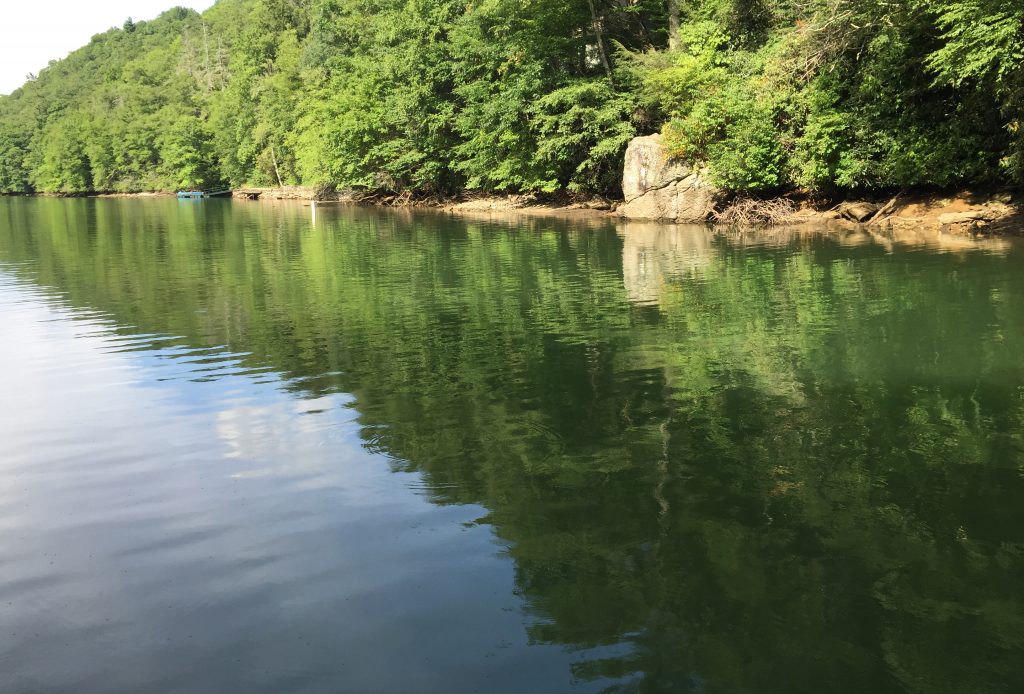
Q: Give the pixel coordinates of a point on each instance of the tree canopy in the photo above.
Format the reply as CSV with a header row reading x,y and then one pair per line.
x,y
437,96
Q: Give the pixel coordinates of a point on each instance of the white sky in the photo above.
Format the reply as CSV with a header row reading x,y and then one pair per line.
x,y
34,32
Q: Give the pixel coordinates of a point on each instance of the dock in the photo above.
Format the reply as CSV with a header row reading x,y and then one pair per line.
x,y
200,194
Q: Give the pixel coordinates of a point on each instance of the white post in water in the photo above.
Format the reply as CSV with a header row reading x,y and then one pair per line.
x,y
312,207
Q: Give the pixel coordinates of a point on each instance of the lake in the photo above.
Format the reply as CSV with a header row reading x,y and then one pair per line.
x,y
248,448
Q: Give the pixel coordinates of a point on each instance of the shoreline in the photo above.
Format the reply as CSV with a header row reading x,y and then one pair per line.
x,y
960,212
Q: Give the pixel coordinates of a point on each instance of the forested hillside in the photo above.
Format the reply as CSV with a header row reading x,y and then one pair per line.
x,y
436,96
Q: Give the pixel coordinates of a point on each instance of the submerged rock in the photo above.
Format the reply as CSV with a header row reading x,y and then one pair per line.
x,y
656,186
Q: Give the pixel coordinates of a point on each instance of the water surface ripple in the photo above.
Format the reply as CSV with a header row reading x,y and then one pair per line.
x,y
244,449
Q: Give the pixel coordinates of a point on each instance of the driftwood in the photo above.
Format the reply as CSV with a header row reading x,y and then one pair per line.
x,y
886,211
749,211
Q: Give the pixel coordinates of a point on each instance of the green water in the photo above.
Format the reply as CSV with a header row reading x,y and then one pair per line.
x,y
246,449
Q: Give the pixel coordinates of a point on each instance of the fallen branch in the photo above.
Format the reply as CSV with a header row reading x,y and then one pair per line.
x,y
751,212
885,211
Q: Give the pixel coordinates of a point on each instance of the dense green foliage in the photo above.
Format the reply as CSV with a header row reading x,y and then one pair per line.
x,y
507,95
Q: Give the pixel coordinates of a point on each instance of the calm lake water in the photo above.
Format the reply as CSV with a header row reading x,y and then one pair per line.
x,y
243,450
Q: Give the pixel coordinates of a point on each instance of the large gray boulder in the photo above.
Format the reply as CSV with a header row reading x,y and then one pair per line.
x,y
655,186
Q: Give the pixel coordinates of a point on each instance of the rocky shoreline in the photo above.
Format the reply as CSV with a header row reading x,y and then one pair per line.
x,y
659,189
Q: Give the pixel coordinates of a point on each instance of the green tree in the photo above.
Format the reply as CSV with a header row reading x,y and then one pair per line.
x,y
983,47
62,164
186,155
14,176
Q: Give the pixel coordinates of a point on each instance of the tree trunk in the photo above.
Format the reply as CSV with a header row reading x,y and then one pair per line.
x,y
600,42
206,58
277,172
673,25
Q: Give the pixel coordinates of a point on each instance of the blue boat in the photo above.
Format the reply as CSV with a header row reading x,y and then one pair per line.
x,y
199,194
